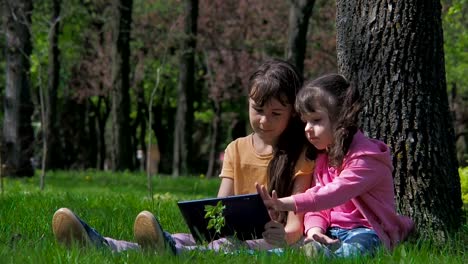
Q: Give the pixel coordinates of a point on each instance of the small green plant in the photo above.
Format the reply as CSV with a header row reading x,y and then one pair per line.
x,y
215,214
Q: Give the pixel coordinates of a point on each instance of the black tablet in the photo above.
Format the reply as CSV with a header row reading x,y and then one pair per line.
x,y
245,217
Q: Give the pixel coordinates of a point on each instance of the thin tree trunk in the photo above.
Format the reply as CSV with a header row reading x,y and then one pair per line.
x,y
215,123
44,138
393,51
102,114
141,121
53,153
122,156
17,130
214,141
185,89
299,15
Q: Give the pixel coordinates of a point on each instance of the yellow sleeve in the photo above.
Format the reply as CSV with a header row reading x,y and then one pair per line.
x,y
304,166
227,170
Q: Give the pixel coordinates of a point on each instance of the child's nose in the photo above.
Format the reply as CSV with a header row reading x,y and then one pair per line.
x,y
308,127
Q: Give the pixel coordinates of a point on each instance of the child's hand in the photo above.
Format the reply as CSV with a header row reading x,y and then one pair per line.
x,y
317,234
272,202
275,234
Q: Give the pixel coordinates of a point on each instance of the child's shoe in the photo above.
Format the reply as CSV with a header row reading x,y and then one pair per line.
x,y
314,249
69,229
149,234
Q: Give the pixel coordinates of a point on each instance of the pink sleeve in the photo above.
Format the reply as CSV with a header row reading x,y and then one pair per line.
x,y
316,219
358,176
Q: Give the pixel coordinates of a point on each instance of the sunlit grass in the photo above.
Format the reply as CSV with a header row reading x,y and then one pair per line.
x,y
110,201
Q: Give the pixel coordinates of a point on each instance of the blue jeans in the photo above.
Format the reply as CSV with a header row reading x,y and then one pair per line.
x,y
353,242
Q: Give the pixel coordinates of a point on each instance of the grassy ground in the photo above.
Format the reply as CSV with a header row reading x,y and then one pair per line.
x,y
109,202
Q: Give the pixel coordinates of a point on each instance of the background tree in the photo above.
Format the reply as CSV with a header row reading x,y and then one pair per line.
x,y
17,130
233,37
185,90
394,53
155,40
2,67
299,14
455,25
122,152
90,84
51,127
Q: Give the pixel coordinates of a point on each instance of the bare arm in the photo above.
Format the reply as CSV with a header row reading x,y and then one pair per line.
x,y
277,234
226,188
295,225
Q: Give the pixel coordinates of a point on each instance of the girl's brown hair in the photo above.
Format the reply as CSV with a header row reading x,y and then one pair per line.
x,y
278,79
341,100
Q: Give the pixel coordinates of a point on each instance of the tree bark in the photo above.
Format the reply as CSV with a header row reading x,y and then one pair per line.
x,y
299,14
393,52
185,90
53,160
122,155
17,130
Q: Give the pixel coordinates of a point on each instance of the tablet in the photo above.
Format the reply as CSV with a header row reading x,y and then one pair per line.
x,y
245,217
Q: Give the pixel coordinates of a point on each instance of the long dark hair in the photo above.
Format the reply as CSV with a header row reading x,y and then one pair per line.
x,y
342,102
278,79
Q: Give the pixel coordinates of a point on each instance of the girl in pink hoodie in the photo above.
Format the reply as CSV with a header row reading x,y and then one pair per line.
x,y
351,204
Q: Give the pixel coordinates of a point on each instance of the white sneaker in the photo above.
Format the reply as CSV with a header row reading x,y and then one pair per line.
x,y
148,232
68,228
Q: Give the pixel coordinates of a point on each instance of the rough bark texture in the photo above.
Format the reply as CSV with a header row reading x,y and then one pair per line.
x,y
17,130
393,51
122,154
184,114
53,160
299,14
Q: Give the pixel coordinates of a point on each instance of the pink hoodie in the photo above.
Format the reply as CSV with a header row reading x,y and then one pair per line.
x,y
365,180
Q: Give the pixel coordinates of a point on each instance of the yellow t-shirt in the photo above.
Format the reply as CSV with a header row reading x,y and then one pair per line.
x,y
245,166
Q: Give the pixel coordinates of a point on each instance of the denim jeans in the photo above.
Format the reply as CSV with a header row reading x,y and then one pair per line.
x,y
353,242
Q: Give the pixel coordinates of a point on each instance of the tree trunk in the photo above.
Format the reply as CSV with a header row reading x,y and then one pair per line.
x,y
299,14
122,156
185,90
140,121
459,108
142,113
17,130
102,113
393,52
214,140
53,152
163,133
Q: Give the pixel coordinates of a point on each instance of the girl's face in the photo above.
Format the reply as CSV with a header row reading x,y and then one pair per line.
x,y
318,129
270,120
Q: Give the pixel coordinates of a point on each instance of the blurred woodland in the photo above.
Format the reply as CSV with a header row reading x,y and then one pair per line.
x,y
73,49
72,66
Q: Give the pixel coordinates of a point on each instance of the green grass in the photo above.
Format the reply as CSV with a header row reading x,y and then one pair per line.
x,y
110,201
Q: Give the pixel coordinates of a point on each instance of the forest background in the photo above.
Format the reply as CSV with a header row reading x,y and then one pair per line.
x,y
233,37
107,82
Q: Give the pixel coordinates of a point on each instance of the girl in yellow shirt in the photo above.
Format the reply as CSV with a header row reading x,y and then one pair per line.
x,y
273,155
